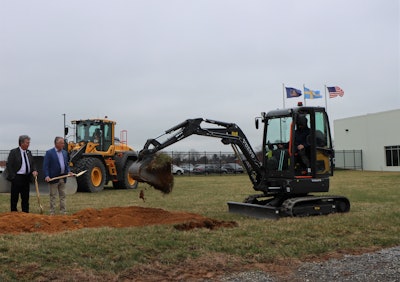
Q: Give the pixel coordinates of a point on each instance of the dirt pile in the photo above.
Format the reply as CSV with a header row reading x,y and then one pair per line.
x,y
118,217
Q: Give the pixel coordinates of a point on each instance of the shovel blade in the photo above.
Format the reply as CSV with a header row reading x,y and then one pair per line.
x,y
80,173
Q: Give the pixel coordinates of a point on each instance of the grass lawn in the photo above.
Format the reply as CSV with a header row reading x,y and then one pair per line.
x,y
373,222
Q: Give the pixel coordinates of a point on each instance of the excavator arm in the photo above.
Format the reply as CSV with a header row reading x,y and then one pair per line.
x,y
229,133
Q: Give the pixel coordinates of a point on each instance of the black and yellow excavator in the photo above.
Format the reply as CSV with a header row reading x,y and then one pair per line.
x,y
297,159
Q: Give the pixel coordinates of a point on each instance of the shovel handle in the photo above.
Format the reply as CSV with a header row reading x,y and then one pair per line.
x,y
60,177
38,195
67,175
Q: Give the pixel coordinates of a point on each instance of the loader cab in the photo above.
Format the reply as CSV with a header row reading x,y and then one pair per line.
x,y
285,130
96,131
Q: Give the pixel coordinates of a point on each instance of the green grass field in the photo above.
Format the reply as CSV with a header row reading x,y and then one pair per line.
x,y
373,222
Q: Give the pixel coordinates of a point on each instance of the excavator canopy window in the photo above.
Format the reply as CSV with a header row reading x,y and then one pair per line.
x,y
277,144
278,131
323,145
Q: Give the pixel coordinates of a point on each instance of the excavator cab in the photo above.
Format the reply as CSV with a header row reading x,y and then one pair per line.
x,y
298,144
298,159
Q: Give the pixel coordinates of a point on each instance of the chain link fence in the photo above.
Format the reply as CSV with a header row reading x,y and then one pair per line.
x,y
215,160
344,159
186,160
4,156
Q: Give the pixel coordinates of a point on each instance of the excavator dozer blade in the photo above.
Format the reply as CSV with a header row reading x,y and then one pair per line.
x,y
253,210
154,171
5,185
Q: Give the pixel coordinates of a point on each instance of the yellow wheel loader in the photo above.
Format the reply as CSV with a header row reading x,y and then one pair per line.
x,y
104,157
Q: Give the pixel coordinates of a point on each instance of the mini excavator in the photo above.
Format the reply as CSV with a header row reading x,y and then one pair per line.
x,y
285,173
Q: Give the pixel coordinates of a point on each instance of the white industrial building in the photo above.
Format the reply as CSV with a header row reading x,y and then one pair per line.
x,y
377,135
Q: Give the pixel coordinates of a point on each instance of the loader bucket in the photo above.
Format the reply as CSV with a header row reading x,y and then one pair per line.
x,y
5,185
154,170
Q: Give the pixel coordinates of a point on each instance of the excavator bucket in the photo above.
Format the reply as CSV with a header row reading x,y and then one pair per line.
x,y
154,170
5,185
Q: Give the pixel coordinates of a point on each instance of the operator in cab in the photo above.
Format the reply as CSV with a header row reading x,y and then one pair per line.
x,y
300,142
96,136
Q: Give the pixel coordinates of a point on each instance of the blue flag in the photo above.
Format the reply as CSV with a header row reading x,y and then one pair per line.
x,y
292,92
311,94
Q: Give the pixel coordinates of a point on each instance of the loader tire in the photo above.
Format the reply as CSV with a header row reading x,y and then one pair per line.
x,y
125,180
95,177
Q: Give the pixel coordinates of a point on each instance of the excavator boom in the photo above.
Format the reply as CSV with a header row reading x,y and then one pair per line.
x,y
229,133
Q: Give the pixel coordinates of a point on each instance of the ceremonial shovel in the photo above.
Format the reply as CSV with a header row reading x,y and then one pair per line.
x,y
68,175
38,195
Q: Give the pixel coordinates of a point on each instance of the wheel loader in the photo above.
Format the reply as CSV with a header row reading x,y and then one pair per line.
x,y
104,157
289,178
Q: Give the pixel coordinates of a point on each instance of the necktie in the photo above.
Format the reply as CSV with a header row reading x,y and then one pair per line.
x,y
26,164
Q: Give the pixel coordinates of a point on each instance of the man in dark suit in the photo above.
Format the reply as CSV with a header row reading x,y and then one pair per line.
x,y
20,168
56,163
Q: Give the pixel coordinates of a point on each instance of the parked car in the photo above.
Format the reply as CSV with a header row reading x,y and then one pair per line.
x,y
188,168
233,168
208,169
177,170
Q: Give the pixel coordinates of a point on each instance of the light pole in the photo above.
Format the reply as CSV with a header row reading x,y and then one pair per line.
x,y
65,134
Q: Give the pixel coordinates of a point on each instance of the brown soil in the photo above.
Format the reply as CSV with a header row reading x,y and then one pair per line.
x,y
208,268
18,222
117,217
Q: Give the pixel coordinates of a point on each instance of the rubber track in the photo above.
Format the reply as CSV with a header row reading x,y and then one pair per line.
x,y
289,204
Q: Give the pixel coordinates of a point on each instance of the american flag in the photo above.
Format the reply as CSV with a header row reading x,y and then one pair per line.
x,y
335,91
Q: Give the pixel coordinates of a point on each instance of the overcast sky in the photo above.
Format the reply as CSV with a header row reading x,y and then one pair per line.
x,y
152,64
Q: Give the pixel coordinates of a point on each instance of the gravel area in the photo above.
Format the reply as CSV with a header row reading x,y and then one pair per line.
x,y
380,266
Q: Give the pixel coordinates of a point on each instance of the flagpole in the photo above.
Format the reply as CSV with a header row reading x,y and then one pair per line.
x,y
283,94
326,100
304,95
